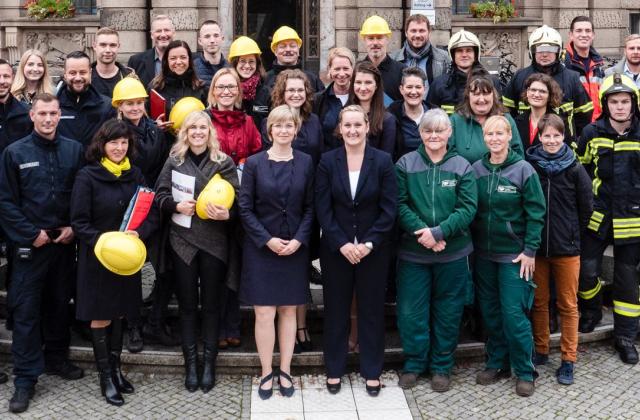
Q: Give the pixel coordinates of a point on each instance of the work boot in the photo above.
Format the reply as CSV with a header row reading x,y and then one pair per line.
x,y
589,322
626,350
440,382
491,376
540,359
121,382
135,343
64,369
564,374
407,380
101,351
190,353
524,388
208,380
19,403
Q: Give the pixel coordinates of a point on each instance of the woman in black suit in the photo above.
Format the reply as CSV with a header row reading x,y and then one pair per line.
x,y
276,208
356,197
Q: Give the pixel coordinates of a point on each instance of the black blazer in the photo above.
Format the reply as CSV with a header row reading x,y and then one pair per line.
x,y
370,216
144,65
261,208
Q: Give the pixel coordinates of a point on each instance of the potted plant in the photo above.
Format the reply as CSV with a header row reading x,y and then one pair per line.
x,y
45,9
497,10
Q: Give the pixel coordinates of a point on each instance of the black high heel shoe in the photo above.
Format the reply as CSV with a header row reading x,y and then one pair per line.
x,y
285,391
373,390
334,388
305,345
265,394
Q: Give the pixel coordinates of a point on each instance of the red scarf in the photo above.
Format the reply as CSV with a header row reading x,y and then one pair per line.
x,y
249,87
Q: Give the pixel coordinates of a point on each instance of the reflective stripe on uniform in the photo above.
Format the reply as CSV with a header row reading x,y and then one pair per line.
x,y
508,102
590,294
584,108
626,233
626,309
625,146
595,220
448,108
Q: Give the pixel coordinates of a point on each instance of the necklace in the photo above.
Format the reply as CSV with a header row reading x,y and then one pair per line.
x,y
274,156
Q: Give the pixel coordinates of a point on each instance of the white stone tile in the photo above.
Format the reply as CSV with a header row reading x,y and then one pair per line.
x,y
277,403
399,414
277,416
332,415
320,400
389,398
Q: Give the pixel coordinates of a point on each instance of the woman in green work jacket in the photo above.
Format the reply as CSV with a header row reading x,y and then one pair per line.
x,y
506,235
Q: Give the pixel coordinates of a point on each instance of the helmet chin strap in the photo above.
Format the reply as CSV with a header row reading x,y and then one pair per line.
x,y
622,121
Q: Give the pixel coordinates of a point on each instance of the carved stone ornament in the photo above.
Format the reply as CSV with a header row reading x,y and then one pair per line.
x,y
505,44
54,45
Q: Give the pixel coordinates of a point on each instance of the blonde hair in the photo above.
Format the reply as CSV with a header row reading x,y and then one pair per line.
x,y
222,72
181,146
283,113
494,121
341,52
19,86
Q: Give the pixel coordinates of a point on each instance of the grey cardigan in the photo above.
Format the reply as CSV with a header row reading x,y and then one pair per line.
x,y
210,236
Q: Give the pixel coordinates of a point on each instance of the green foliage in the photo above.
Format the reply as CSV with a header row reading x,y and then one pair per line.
x,y
43,9
499,11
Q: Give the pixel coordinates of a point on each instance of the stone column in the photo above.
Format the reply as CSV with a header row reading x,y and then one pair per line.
x,y
129,18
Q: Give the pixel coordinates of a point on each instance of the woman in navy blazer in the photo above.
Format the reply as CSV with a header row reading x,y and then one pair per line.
x,y
276,208
356,198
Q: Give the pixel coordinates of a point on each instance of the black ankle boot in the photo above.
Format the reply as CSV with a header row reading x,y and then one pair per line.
x,y
101,342
191,367
121,382
209,370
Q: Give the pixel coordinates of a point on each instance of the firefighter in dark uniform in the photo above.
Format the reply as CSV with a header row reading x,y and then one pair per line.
x,y
36,177
545,45
610,149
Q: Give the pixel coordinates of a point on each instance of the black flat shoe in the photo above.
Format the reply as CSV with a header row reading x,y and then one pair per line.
x,y
265,394
373,390
306,345
285,391
334,388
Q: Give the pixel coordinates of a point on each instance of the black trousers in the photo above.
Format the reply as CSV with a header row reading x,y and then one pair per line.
x,y
38,301
202,280
340,279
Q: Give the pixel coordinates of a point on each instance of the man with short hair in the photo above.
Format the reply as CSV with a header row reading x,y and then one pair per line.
x,y
83,108
630,63
147,64
106,71
418,51
582,57
36,179
375,33
14,115
207,63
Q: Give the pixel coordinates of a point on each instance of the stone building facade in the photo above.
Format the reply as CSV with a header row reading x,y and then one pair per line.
x,y
322,24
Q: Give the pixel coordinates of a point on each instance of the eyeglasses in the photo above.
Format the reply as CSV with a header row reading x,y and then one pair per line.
x,y
538,91
222,88
294,91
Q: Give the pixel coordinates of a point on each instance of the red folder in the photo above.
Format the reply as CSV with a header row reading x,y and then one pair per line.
x,y
138,209
158,104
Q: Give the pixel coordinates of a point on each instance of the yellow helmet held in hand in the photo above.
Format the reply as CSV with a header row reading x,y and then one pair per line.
x,y
120,253
285,33
182,108
217,191
128,88
243,46
375,25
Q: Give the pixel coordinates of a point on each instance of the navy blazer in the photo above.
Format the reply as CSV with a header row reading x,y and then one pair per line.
x,y
262,210
144,64
371,215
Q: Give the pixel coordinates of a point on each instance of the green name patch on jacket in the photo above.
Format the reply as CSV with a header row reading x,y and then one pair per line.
x,y
507,189
449,183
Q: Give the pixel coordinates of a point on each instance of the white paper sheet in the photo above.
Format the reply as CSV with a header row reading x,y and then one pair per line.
x,y
182,188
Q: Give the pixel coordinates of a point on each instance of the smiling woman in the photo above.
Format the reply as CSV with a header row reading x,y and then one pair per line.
x,y
32,77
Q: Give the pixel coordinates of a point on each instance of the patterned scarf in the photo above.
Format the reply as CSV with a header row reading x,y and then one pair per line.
x,y
250,86
413,58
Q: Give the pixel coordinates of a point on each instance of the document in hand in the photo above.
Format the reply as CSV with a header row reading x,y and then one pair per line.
x,y
158,104
138,209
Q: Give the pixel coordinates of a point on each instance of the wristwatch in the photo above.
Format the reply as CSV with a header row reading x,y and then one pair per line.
x,y
369,245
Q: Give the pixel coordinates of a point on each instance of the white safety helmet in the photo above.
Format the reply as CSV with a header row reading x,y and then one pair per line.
x,y
464,38
544,35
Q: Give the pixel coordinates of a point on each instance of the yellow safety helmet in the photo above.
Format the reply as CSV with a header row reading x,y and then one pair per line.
x,y
120,253
375,25
618,83
217,191
182,108
544,35
285,33
243,46
128,88
464,38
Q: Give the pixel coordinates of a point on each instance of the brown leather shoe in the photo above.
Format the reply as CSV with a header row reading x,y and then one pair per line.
x,y
491,376
407,380
233,342
223,343
525,388
440,383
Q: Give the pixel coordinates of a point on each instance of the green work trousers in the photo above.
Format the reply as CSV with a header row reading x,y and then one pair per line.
x,y
505,300
430,301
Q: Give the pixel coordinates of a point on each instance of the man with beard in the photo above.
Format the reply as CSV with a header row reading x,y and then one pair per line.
x,y
206,64
286,46
417,50
545,44
147,64
106,71
83,108
37,175
375,33
630,63
14,115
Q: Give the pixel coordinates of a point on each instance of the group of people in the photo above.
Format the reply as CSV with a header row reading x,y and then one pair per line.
x,y
414,168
